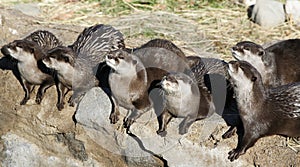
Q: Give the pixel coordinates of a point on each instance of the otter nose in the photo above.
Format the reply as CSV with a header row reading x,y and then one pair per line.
x,y
109,57
235,48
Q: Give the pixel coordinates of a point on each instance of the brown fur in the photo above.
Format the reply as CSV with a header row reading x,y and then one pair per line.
x,y
264,112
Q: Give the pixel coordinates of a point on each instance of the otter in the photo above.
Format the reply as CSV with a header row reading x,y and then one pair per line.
x,y
263,111
137,73
215,92
183,98
278,64
39,42
30,67
76,65
45,39
163,43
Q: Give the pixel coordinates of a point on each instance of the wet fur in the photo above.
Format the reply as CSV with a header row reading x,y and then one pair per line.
x,y
264,111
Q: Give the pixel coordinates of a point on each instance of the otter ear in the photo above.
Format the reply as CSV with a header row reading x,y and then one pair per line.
x,y
254,78
261,52
66,59
134,62
31,49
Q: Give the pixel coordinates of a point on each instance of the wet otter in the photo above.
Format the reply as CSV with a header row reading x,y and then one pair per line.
x,y
183,98
76,65
147,67
29,63
273,61
29,69
264,112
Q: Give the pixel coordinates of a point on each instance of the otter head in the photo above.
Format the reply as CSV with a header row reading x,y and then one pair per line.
x,y
177,83
245,78
248,51
22,50
59,58
121,61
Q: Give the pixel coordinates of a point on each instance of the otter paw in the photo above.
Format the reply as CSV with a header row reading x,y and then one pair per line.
x,y
128,122
234,154
161,133
183,131
60,106
38,100
114,118
24,101
228,134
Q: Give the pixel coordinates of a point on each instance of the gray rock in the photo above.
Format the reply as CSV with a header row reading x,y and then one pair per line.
x,y
293,10
20,152
31,9
178,150
268,13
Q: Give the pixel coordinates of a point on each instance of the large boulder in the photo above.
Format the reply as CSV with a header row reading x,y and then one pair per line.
x,y
268,13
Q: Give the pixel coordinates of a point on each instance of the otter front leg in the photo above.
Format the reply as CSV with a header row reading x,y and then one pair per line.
x,y
141,105
135,114
61,95
248,140
114,115
185,124
164,119
230,132
41,91
27,88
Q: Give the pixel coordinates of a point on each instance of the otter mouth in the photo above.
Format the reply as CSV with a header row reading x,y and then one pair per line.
x,y
233,66
168,86
236,54
111,62
5,51
47,62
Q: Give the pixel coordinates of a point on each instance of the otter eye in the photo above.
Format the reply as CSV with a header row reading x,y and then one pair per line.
x,y
66,59
121,57
19,46
247,48
260,53
253,79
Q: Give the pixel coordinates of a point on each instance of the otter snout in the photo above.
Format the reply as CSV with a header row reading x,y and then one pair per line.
x,y
5,51
233,66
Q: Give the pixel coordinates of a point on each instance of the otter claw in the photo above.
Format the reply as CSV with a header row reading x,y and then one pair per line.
x,y
162,133
183,131
24,101
234,154
60,106
114,118
229,133
128,122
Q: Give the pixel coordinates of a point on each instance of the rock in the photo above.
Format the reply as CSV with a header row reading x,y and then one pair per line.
x,y
19,152
144,144
293,10
268,13
31,9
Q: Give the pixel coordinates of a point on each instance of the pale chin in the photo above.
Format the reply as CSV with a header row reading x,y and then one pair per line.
x,y
111,64
47,64
236,55
230,69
